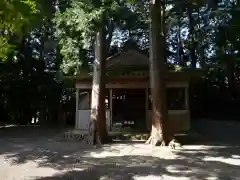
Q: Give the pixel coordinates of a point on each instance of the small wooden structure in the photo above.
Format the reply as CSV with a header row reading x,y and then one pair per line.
x,y
128,100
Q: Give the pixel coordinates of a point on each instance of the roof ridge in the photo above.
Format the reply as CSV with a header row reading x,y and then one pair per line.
x,y
117,59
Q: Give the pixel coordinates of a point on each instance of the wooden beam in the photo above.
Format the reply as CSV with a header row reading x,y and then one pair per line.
x,y
146,109
111,106
77,115
132,85
186,99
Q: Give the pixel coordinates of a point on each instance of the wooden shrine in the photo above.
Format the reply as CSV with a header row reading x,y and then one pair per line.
x,y
128,98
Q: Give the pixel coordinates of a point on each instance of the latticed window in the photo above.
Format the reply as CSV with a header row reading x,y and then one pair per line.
x,y
176,99
84,99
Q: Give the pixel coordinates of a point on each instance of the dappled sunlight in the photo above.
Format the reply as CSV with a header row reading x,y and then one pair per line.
x,y
155,177
230,161
220,151
179,168
11,171
151,163
236,156
60,160
102,154
148,167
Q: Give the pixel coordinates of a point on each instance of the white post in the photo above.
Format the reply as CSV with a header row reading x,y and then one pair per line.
x,y
77,117
110,107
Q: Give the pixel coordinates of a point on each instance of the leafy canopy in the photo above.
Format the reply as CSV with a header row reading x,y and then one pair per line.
x,y
15,17
77,25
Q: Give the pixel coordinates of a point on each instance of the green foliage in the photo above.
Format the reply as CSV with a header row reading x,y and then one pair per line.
x,y
15,17
77,25
6,48
29,83
34,71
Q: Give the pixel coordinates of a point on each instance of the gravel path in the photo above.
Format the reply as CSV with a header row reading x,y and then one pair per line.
x,y
39,154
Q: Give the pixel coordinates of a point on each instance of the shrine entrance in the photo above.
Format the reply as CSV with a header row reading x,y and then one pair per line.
x,y
129,108
128,98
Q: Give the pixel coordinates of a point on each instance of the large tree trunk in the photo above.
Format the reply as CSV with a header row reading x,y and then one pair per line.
x,y
230,74
180,52
98,110
201,43
192,43
160,134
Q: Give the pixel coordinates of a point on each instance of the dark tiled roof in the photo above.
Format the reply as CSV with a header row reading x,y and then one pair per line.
x,y
127,58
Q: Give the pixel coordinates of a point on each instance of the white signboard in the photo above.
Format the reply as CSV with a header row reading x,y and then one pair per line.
x,y
83,120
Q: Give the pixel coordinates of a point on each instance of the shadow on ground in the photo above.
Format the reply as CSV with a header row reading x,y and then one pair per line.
x,y
76,161
194,166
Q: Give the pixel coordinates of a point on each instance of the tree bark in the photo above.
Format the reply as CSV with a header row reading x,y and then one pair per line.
x,y
192,43
160,134
98,131
180,52
201,41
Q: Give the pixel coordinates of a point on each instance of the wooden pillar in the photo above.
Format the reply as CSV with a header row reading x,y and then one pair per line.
x,y
186,99
77,117
146,101
110,107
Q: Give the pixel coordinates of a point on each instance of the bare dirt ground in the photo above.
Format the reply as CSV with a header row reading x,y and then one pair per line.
x,y
37,153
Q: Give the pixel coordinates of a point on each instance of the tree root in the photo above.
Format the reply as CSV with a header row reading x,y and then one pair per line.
x,y
174,143
157,140
98,142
